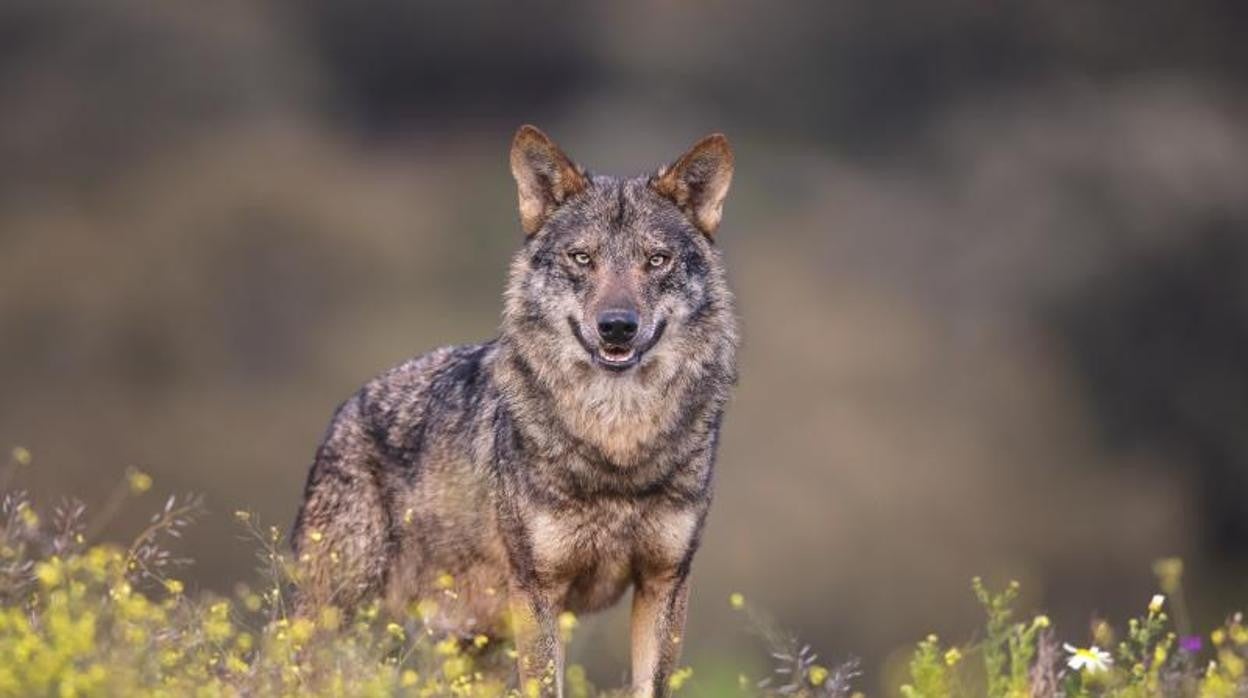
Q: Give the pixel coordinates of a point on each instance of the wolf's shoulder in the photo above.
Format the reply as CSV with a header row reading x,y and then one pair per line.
x,y
442,373
424,395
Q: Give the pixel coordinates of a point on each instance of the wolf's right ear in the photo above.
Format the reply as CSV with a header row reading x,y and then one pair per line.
x,y
545,177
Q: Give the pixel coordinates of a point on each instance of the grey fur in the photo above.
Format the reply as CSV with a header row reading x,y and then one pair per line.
x,y
536,477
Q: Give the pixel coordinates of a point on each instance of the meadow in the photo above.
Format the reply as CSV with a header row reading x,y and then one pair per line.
x,y
992,269
88,617
990,264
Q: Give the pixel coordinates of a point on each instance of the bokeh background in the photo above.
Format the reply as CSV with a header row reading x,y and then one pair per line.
x,y
992,261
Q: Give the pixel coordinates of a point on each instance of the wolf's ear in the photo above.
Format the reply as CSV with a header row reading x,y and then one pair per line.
x,y
698,181
545,177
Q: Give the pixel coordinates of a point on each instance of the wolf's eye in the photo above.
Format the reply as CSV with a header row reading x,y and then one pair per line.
x,y
658,260
581,258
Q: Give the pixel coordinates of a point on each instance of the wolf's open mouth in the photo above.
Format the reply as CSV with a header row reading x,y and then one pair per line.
x,y
614,357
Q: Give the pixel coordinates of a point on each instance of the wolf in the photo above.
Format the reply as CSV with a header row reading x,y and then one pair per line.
x,y
551,468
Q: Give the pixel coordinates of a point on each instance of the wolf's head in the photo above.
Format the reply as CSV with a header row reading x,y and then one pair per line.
x,y
620,277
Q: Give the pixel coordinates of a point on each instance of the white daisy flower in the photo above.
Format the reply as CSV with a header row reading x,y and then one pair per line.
x,y
1158,601
1091,660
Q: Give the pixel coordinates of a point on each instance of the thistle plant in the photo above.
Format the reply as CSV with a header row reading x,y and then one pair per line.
x,y
797,671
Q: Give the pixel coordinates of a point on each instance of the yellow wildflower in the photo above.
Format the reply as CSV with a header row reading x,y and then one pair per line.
x,y
817,675
679,678
1239,635
577,681
135,635
140,481
301,630
953,656
217,626
252,602
50,573
567,623
235,665
331,618
170,657
21,456
454,667
737,601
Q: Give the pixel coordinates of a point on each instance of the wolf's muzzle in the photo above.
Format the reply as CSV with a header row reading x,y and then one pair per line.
x,y
617,357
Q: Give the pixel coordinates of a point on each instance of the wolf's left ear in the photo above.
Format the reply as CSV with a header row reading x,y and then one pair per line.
x,y
545,177
698,181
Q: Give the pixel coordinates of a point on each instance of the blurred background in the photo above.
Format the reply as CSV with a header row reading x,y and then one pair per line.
x,y
992,262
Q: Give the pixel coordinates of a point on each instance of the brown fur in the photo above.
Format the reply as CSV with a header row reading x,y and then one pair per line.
x,y
532,470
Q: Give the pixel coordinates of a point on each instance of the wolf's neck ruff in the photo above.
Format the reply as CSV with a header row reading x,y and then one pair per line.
x,y
614,422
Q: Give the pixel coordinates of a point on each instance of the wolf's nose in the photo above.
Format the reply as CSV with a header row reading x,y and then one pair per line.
x,y
617,326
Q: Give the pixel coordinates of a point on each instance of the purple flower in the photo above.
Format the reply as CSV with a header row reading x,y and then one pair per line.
x,y
1190,644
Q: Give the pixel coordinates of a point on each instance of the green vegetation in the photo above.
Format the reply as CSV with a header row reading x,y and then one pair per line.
x,y
81,618
1020,659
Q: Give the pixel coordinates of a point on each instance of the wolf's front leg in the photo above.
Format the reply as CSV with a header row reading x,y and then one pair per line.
x,y
659,604
539,651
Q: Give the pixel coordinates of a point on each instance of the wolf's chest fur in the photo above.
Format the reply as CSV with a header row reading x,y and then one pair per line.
x,y
595,552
